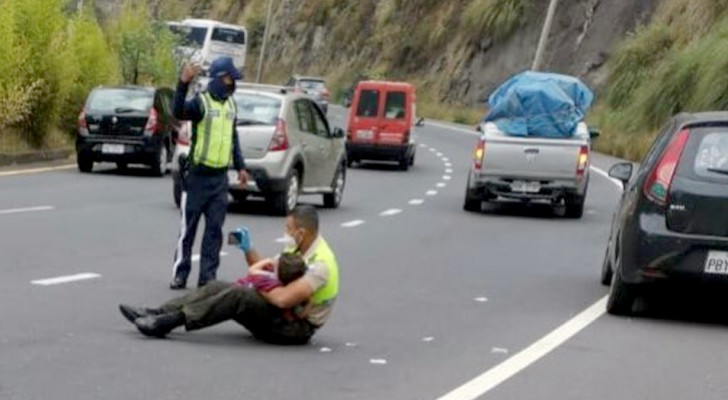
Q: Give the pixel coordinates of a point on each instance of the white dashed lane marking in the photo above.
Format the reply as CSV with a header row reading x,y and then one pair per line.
x,y
390,212
26,210
352,224
416,202
431,192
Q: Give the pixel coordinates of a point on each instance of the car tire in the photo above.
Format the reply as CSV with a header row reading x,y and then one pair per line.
x,y
621,295
574,207
607,272
404,163
161,161
85,165
412,160
332,200
471,203
176,189
283,202
122,166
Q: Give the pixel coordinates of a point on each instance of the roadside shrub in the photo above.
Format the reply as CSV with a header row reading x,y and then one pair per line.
x,y
497,19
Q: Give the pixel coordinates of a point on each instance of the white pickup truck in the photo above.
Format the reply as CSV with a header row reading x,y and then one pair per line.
x,y
554,170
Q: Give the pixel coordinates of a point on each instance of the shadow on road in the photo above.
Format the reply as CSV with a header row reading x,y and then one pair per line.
x,y
695,303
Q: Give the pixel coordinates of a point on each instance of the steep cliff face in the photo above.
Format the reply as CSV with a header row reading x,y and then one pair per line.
x,y
455,50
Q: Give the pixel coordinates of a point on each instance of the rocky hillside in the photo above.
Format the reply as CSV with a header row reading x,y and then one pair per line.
x,y
455,50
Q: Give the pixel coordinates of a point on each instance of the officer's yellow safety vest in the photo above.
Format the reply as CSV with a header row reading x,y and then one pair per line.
x,y
214,142
323,253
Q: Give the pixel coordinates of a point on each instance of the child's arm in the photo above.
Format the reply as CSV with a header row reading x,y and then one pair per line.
x,y
303,309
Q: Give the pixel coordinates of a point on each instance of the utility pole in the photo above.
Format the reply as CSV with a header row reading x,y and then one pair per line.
x,y
261,59
538,59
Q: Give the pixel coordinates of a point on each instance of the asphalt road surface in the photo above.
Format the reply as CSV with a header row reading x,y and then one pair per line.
x,y
435,302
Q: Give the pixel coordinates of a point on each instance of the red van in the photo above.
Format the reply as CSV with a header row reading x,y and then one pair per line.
x,y
381,121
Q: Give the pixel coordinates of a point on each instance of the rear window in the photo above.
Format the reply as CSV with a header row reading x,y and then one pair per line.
x,y
190,36
228,35
120,100
394,108
368,103
711,158
257,108
314,85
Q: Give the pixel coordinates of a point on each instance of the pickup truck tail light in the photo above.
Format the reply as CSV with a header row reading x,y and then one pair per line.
x,y
657,185
479,154
582,162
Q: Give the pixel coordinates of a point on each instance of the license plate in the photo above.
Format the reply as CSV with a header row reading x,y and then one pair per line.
x,y
365,134
717,263
526,187
107,148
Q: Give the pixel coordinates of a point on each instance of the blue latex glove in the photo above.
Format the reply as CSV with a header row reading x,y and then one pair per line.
x,y
243,235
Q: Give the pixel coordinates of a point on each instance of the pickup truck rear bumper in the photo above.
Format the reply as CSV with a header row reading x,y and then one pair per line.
x,y
491,188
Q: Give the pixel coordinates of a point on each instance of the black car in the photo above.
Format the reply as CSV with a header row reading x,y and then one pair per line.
x,y
672,222
127,125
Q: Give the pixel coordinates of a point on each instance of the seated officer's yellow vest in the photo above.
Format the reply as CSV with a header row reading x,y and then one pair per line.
x,y
214,142
323,253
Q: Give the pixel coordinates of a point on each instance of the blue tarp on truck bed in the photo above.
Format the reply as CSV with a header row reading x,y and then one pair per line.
x,y
539,104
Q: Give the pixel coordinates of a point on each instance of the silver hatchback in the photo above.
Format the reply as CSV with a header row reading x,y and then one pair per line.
x,y
289,149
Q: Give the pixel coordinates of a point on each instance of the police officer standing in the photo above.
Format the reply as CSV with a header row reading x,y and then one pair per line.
x,y
205,181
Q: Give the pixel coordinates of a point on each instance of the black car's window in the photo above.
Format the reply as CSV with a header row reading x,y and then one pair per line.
x,y
394,107
257,109
228,35
710,160
322,127
368,103
303,114
119,100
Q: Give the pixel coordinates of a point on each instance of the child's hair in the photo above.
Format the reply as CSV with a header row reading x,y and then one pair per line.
x,y
290,268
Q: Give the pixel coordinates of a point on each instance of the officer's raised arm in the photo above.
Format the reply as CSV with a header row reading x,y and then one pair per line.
x,y
187,110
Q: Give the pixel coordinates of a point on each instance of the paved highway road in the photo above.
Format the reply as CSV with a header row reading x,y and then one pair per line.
x,y
435,301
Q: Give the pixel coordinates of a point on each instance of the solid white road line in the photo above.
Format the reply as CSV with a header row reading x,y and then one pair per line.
x,y
352,224
500,373
37,170
65,279
390,212
25,210
454,128
603,173
416,202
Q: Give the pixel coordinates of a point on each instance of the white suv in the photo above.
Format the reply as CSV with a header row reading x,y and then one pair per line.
x,y
289,149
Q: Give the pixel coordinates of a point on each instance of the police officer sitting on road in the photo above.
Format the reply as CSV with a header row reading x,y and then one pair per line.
x,y
205,182
262,313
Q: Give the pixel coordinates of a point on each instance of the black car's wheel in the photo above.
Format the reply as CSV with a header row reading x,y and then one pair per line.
x,y
176,189
84,164
412,160
159,167
283,202
621,295
333,199
574,207
404,163
606,275
122,166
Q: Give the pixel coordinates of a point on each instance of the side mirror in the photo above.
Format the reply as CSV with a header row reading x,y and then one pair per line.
x,y
338,133
621,172
420,122
594,132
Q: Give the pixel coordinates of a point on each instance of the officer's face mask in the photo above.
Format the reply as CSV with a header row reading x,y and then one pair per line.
x,y
292,241
221,89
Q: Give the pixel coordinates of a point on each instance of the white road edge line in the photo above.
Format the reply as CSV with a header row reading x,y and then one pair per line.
x,y
352,224
603,173
484,383
36,170
65,279
28,209
390,212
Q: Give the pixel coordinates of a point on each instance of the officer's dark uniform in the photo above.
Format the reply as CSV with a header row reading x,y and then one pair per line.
x,y
205,182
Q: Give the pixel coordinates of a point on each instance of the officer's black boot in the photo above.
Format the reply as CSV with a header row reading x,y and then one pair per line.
x,y
160,325
132,313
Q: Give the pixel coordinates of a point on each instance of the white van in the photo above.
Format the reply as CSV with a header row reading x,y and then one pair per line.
x,y
209,39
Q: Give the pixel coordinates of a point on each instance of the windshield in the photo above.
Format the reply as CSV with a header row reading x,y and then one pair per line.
x,y
312,85
257,109
120,101
228,35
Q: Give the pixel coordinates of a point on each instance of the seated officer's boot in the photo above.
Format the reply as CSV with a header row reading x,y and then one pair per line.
x,y
132,313
159,325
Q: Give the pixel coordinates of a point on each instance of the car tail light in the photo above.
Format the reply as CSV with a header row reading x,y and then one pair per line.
x,y
82,124
152,123
279,141
184,134
479,154
657,185
583,161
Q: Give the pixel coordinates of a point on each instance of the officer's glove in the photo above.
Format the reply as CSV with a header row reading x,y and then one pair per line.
x,y
243,236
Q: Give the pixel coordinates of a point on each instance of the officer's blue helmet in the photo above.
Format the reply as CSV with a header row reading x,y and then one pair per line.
x,y
224,66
